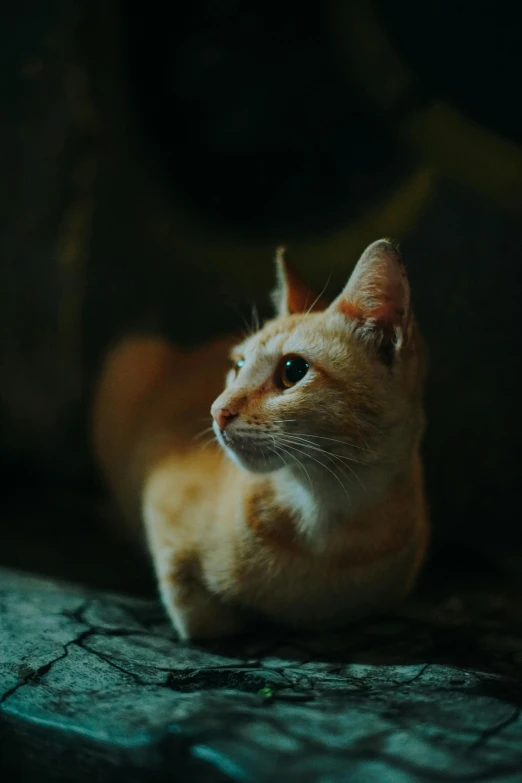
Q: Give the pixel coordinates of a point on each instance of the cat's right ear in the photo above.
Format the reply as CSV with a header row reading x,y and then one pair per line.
x,y
291,294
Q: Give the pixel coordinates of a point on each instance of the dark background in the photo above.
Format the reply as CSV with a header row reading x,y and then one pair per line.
x,y
154,154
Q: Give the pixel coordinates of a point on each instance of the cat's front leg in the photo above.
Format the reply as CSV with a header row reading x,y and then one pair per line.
x,y
194,611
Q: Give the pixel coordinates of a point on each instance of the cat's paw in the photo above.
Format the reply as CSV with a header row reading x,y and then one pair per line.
x,y
204,617
210,626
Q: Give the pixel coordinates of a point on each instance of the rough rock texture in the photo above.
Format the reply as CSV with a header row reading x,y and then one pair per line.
x,y
97,686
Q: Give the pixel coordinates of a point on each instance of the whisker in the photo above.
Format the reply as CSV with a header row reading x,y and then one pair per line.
x,y
332,456
323,466
324,451
333,440
204,432
274,449
320,295
297,461
277,452
247,331
208,443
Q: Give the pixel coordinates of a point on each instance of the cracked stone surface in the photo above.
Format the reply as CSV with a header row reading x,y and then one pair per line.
x,y
98,685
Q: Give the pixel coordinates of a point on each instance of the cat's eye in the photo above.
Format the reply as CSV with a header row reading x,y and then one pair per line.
x,y
293,369
239,364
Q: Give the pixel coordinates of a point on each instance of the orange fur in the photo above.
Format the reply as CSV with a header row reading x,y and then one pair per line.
x,y
319,515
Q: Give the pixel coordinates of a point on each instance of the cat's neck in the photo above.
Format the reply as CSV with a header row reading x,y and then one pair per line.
x,y
320,501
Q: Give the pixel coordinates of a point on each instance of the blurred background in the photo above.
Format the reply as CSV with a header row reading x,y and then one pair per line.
x,y
153,155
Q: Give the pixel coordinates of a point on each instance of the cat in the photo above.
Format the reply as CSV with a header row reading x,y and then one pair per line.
x,y
308,508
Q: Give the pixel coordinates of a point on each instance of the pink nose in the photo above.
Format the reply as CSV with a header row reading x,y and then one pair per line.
x,y
222,417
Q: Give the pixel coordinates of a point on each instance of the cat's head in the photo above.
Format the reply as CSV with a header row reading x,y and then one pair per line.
x,y
330,386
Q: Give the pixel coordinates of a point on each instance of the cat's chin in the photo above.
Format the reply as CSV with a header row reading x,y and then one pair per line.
x,y
248,455
253,463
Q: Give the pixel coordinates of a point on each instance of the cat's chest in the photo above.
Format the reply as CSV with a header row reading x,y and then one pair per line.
x,y
272,566
300,596
284,579
296,586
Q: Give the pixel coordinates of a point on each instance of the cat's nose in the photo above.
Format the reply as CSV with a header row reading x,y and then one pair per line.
x,y
222,417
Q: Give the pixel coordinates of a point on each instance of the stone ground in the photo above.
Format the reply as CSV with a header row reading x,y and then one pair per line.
x,y
96,686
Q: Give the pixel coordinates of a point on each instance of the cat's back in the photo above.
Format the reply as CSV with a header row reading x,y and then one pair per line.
x,y
152,402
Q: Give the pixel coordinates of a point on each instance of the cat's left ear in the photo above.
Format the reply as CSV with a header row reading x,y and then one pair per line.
x,y
291,294
377,296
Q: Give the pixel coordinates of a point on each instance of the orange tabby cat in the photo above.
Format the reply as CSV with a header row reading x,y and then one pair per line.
x,y
316,515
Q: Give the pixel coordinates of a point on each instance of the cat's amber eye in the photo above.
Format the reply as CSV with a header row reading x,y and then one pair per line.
x,y
292,370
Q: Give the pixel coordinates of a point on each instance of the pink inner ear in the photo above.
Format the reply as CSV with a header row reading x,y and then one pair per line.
x,y
385,314
378,289
351,310
299,297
